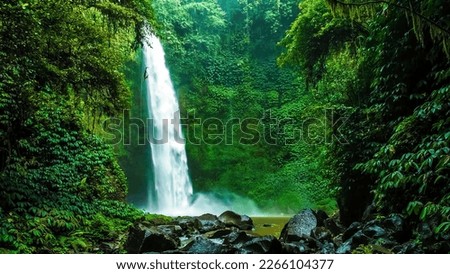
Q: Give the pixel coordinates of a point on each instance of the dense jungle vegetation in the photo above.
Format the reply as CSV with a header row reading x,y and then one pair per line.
x,y
62,71
340,105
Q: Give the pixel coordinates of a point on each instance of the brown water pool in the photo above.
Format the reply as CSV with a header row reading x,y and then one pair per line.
x,y
269,225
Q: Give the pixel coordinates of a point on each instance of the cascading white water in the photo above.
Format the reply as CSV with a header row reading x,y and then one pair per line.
x,y
171,179
172,185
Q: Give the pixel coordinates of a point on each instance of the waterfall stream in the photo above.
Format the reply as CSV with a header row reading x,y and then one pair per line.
x,y
171,191
171,178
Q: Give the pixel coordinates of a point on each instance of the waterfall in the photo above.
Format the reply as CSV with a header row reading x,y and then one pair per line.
x,y
171,192
172,185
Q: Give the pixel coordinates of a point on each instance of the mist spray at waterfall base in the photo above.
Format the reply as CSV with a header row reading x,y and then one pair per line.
x,y
171,191
218,203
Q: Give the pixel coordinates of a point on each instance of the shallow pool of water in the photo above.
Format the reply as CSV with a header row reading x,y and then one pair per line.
x,y
269,225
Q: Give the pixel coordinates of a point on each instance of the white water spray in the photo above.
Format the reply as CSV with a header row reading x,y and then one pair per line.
x,y
171,179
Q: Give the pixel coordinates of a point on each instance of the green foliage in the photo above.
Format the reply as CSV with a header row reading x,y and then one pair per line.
x,y
313,36
61,188
223,60
64,231
190,27
410,167
429,19
371,249
56,180
394,85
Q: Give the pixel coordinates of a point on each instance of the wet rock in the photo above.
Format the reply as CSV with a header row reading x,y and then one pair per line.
x,y
295,248
299,226
109,247
142,239
261,245
353,242
327,248
332,226
202,245
188,223
337,240
209,222
394,222
229,233
359,238
312,243
345,248
171,230
322,234
374,231
396,227
407,248
372,223
231,218
156,241
237,237
369,212
135,239
221,233
246,223
351,230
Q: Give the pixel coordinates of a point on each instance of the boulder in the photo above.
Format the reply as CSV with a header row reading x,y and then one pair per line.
x,y
321,233
157,241
260,245
230,218
209,222
327,248
136,236
216,234
295,248
246,223
202,245
172,230
374,231
237,237
190,224
299,226
353,242
144,239
345,248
